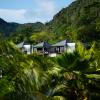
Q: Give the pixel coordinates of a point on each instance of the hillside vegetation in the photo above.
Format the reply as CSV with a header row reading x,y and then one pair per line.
x,y
79,21
20,31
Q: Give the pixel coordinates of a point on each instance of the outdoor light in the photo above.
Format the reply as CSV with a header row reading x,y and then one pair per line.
x,y
0,73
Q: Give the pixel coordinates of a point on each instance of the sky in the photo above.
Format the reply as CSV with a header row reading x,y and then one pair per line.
x,y
29,11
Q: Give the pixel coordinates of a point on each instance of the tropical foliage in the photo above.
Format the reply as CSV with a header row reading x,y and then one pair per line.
x,y
42,36
70,76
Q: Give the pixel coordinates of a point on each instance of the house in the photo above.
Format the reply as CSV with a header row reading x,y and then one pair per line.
x,y
61,47
46,48
42,48
25,47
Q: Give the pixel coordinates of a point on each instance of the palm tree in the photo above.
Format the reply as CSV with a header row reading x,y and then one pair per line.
x,y
32,81
12,63
32,77
75,68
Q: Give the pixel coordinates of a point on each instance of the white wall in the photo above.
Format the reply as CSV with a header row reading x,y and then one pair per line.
x,y
27,48
71,47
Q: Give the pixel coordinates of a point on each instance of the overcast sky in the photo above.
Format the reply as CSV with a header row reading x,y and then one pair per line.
x,y
24,11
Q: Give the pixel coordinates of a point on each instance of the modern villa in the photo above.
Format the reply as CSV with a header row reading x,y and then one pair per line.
x,y
25,47
42,48
45,48
61,47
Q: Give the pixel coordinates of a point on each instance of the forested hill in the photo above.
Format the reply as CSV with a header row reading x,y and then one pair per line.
x,y
80,20
8,29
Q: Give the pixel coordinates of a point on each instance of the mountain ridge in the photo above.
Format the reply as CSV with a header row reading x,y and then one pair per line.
x,y
79,21
9,27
